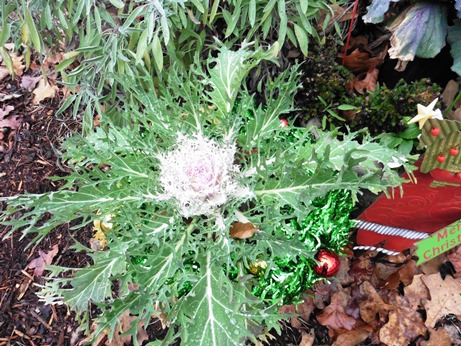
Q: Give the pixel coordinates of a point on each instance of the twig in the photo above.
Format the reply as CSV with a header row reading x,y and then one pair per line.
x,y
54,316
346,46
27,274
41,320
21,334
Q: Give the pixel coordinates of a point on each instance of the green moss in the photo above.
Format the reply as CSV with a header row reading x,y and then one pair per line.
x,y
384,110
388,110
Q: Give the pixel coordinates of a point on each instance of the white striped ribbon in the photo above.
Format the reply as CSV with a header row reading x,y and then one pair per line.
x,y
386,251
394,231
387,230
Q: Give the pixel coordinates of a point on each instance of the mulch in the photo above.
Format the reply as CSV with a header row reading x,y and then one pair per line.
x,y
29,156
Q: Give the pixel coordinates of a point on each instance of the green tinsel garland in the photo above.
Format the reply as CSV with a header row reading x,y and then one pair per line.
x,y
327,227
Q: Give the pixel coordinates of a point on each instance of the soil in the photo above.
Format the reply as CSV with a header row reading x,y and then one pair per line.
x,y
29,157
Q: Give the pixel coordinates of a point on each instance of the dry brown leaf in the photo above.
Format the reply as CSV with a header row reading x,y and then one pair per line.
x,y
43,90
125,321
334,315
438,337
384,270
352,307
17,60
241,230
404,324
454,256
303,310
366,81
343,276
450,92
18,64
352,338
416,292
307,339
13,122
408,271
363,267
433,266
445,298
370,303
350,115
359,62
53,59
404,274
360,42
38,264
29,83
322,294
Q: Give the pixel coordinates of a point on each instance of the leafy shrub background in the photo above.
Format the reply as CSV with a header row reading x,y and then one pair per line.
x,y
106,37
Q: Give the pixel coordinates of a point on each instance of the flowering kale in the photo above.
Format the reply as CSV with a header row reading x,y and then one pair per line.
x,y
200,175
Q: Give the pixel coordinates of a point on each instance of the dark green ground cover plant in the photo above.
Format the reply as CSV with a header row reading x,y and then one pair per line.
x,y
196,155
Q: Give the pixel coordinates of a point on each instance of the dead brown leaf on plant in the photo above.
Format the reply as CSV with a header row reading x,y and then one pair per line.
x,y
365,81
242,230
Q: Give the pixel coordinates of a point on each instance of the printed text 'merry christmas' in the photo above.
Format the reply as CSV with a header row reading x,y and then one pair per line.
x,y
439,242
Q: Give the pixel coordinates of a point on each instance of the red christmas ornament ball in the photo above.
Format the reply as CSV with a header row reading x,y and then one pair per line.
x,y
328,263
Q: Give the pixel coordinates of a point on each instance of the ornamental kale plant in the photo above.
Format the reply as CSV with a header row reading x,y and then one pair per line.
x,y
196,158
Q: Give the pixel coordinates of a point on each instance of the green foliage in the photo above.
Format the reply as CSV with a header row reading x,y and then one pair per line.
x,y
383,112
387,111
109,37
154,251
